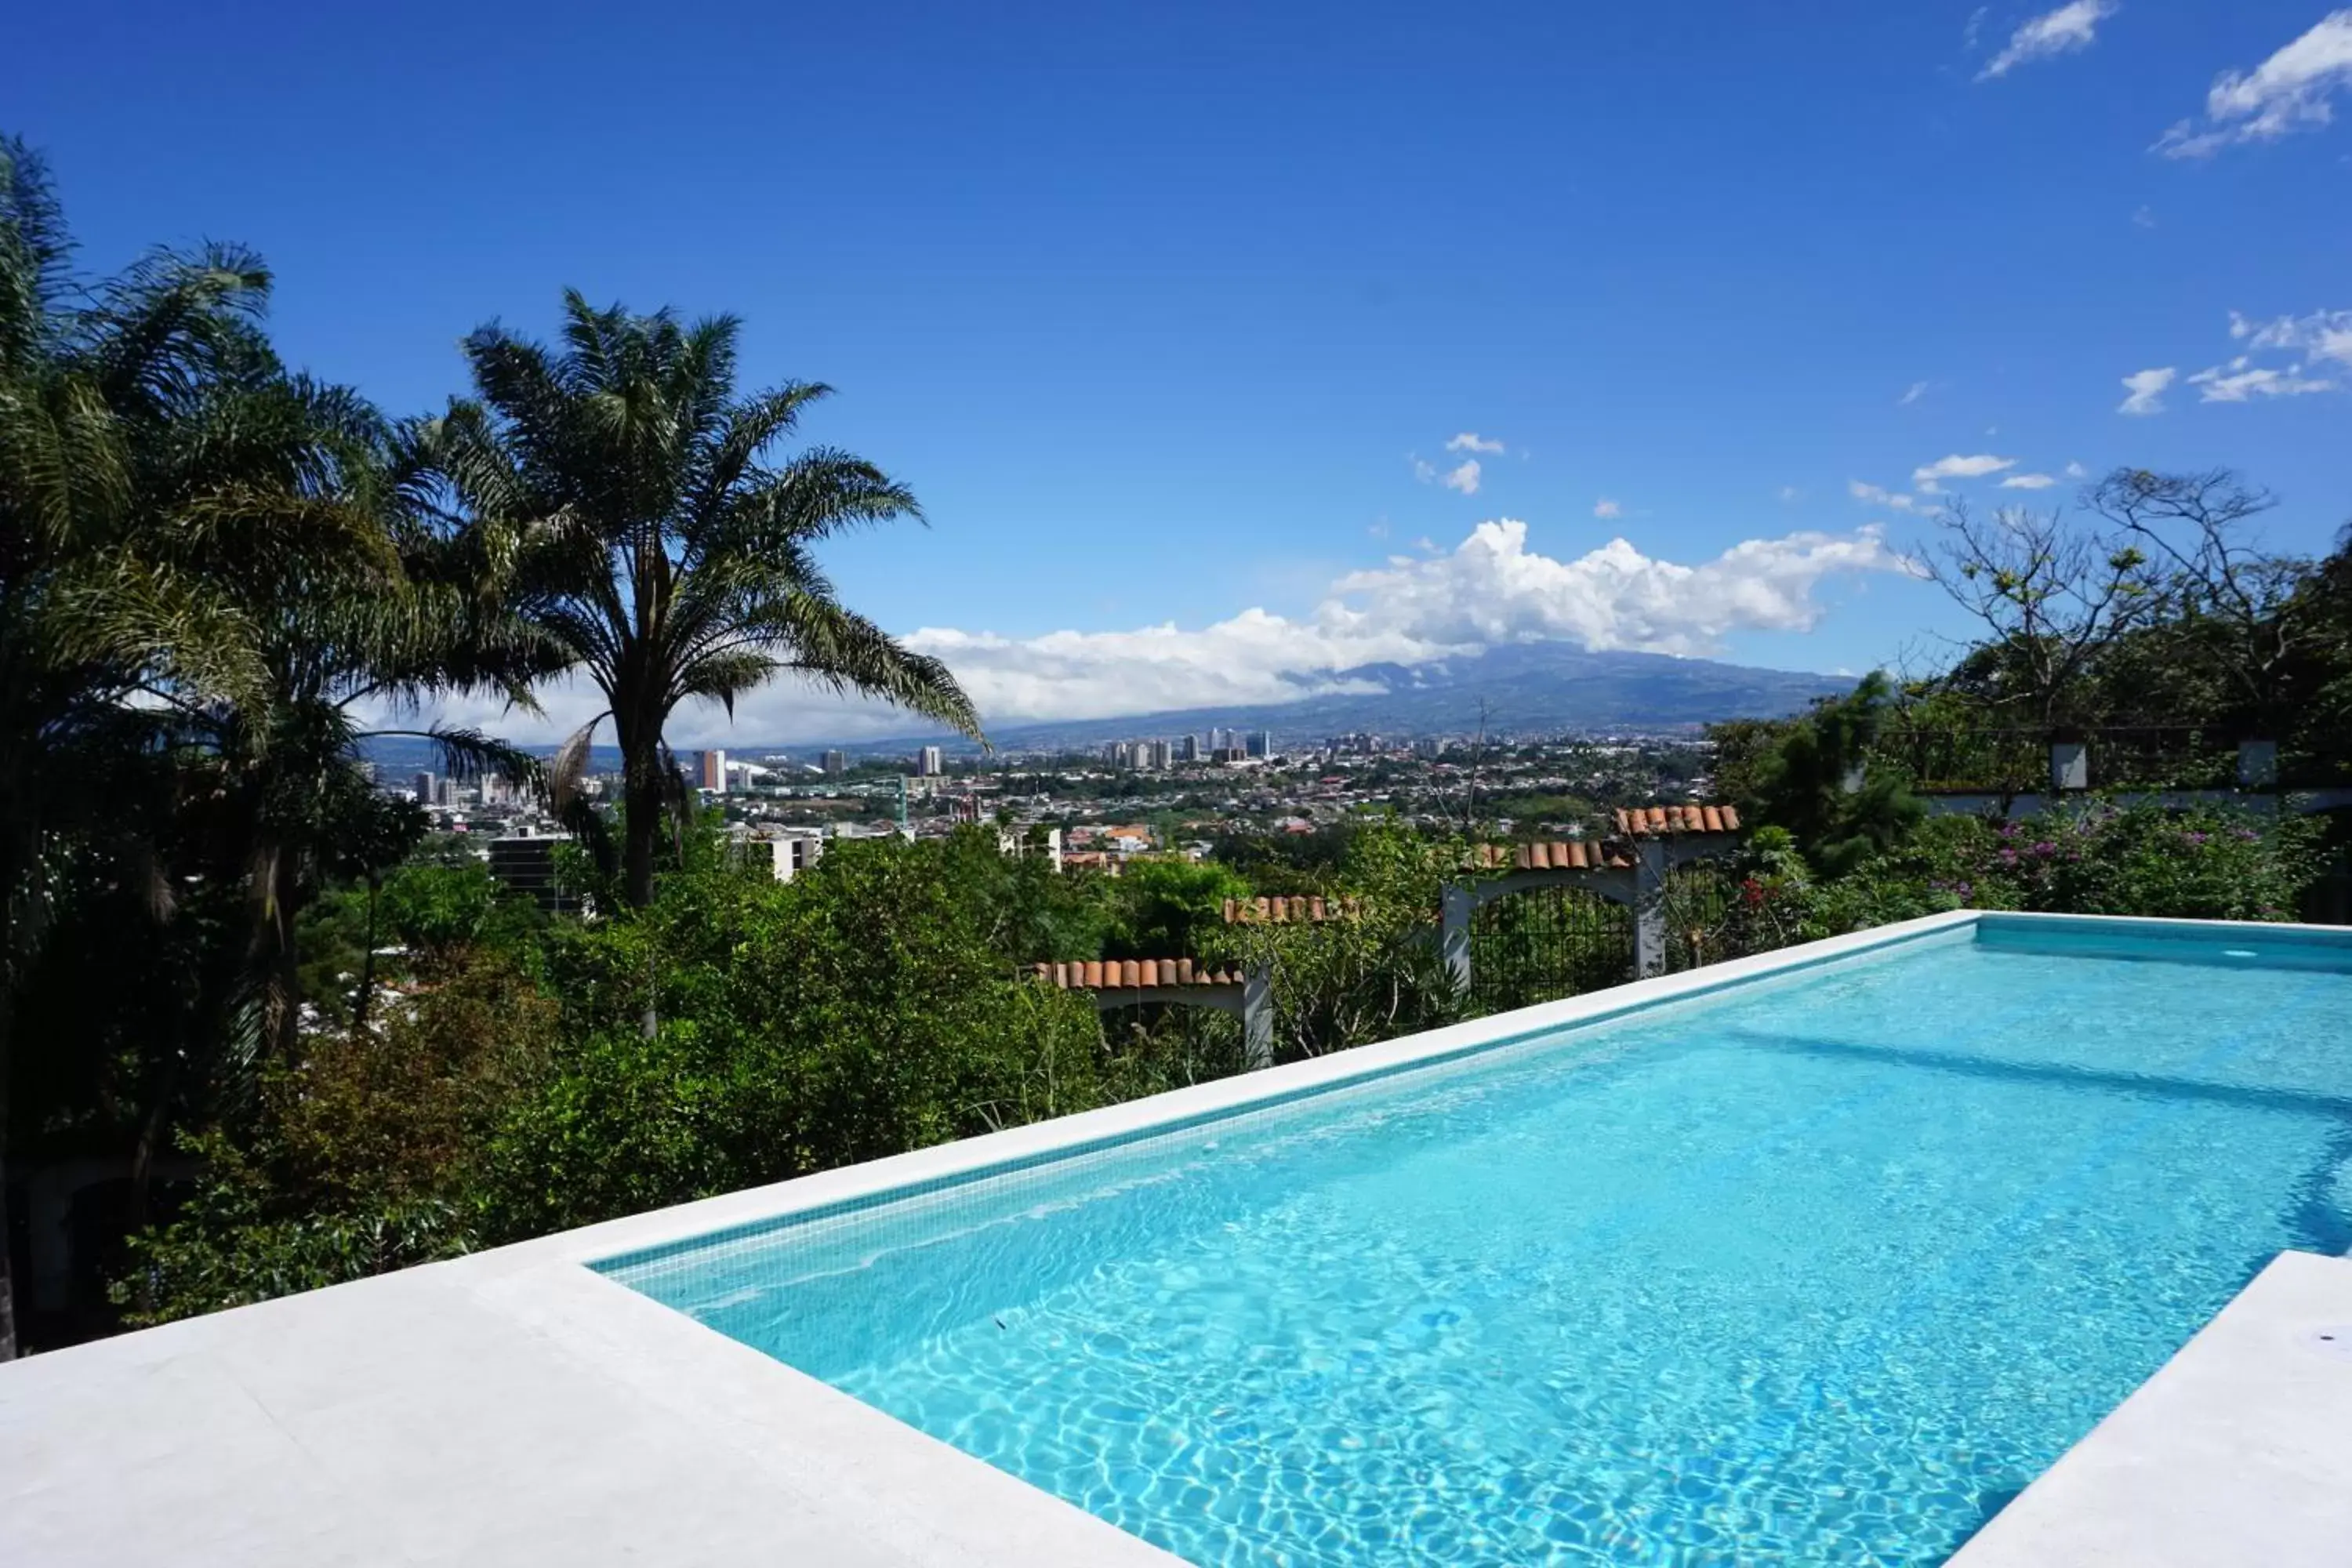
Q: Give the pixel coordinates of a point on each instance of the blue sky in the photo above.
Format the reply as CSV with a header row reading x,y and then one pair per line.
x,y
1169,316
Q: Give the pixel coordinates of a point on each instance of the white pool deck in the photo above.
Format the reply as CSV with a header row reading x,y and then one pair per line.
x,y
516,1407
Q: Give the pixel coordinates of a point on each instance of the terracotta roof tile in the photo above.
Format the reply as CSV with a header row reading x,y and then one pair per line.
x,y
1299,910
1550,854
1132,974
1645,822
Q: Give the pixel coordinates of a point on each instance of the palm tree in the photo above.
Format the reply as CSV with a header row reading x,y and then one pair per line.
x,y
209,568
292,591
646,535
92,381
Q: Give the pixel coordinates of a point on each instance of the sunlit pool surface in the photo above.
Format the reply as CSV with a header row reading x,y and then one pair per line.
x,y
1821,1270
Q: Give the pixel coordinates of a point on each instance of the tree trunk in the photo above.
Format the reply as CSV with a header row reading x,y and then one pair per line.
x,y
641,816
367,962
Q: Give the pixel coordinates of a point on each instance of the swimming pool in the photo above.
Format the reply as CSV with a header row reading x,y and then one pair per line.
x,y
1820,1268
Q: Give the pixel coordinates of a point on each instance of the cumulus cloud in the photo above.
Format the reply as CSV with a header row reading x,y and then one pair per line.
x,y
1463,478
2076,471
2071,27
1470,441
2027,482
1605,508
1956,466
1491,589
2146,388
2290,92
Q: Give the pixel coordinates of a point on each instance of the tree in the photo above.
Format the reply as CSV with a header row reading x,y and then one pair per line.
x,y
651,541
2256,618
291,592
2052,594
94,383
1817,784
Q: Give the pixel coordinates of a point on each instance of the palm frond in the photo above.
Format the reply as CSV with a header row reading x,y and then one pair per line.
x,y
569,769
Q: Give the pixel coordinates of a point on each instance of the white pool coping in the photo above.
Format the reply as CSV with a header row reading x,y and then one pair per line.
x,y
517,1406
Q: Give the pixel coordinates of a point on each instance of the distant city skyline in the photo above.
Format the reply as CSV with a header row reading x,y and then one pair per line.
x,y
1232,348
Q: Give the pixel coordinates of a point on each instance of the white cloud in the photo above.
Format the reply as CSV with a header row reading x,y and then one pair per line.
x,y
1974,25
1790,492
2076,471
1489,590
1424,470
2070,28
1469,441
2326,334
1877,495
2240,382
2027,482
1911,395
2323,335
1956,467
2287,92
1605,508
2145,388
1463,478
2143,217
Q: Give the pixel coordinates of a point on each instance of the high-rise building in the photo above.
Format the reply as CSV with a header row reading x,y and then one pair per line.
x,y
714,772
1261,742
425,795
931,764
1187,748
836,764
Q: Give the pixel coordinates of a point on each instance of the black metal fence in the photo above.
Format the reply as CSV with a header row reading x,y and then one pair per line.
x,y
1546,943
2017,760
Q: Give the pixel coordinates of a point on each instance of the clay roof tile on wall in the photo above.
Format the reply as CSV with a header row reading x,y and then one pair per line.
x,y
1132,974
1301,909
1643,822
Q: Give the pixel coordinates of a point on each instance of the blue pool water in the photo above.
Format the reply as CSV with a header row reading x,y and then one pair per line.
x,y
1816,1270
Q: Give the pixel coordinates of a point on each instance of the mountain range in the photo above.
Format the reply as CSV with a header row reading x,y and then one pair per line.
x,y
1528,689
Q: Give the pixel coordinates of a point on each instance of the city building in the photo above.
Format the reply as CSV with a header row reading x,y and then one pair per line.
x,y
1044,841
526,864
1187,748
931,764
424,790
836,764
714,772
786,851
1261,743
